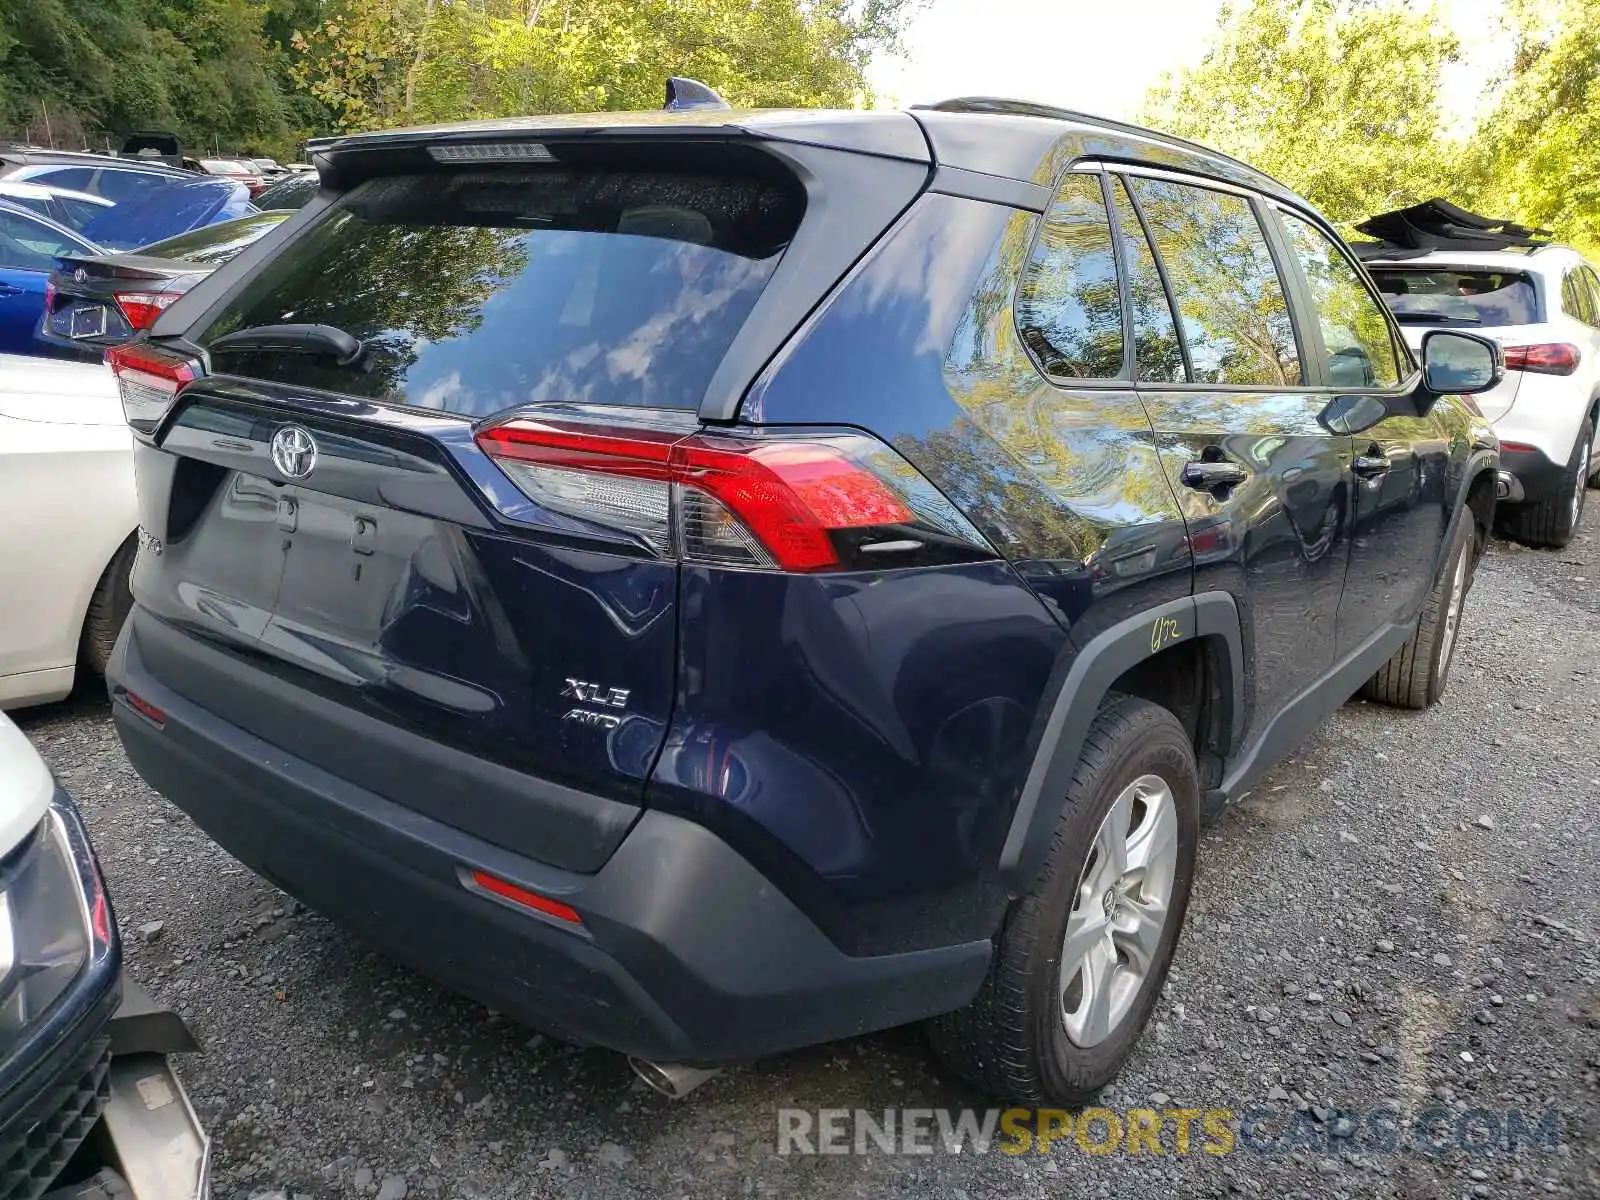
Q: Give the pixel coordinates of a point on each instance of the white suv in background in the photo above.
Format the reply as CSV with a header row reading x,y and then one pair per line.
x,y
1542,304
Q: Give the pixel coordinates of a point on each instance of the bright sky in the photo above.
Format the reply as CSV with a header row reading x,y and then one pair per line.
x,y
1100,57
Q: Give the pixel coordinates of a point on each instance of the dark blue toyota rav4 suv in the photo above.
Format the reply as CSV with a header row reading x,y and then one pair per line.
x,y
710,582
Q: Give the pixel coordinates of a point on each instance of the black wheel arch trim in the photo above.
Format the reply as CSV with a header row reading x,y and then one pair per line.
x,y
1078,686
1483,462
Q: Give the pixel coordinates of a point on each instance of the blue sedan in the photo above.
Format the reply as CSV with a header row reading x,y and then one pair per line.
x,y
29,245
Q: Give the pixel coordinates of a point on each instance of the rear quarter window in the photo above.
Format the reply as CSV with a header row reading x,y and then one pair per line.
x,y
475,291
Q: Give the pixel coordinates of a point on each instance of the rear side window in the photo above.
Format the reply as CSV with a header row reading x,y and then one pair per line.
x,y
1157,352
31,245
1575,298
1446,297
74,179
475,291
1355,332
1224,283
1592,283
1069,308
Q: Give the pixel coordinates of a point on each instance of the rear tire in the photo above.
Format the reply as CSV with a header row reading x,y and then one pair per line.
x,y
1013,1040
1550,524
108,609
1418,673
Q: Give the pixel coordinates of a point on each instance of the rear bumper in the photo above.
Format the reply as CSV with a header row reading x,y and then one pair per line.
x,y
686,952
1532,475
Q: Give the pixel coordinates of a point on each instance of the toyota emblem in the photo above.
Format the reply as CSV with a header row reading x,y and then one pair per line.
x,y
294,452
81,275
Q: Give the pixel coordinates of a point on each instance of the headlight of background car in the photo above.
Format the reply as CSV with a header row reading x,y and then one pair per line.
x,y
51,919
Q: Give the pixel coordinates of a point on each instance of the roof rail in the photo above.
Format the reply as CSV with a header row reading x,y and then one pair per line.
x,y
1029,108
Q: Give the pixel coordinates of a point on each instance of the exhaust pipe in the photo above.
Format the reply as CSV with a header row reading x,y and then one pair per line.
x,y
672,1080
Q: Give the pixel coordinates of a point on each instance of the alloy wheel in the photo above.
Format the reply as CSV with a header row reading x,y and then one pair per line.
x,y
1453,607
1119,911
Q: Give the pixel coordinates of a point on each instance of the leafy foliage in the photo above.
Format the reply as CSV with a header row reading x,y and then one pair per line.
x,y
1338,98
1536,154
1341,100
382,62
261,75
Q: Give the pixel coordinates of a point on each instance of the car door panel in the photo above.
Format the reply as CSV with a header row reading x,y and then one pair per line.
x,y
1262,480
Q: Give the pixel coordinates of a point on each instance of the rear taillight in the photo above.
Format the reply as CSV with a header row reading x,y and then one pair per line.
x,y
149,380
142,308
835,501
1545,358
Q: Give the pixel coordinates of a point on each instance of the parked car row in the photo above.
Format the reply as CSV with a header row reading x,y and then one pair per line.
x,y
67,220
721,582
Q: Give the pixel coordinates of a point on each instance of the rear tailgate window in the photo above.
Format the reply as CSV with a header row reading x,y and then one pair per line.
x,y
1459,296
477,290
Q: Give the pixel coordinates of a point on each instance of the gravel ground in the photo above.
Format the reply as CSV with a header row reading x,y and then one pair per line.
x,y
1403,916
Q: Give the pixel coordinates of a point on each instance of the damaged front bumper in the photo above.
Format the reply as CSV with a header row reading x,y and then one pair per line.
x,y
155,1141
90,1108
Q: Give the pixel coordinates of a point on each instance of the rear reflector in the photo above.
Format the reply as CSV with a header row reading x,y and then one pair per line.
x,y
1517,447
149,381
145,709
1544,358
527,899
810,503
142,308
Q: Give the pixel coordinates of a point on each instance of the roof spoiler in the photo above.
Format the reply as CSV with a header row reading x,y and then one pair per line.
x,y
685,94
1438,224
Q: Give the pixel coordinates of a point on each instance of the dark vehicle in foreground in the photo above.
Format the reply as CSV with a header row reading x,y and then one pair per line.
x,y
711,582
100,300
89,1107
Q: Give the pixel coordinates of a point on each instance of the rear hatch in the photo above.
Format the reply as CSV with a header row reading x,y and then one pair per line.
x,y
1500,304
347,573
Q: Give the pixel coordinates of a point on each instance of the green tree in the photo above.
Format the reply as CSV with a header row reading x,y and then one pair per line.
x,y
387,62
1535,156
1337,98
74,68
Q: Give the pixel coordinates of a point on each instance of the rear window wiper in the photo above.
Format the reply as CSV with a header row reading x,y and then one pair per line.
x,y
344,348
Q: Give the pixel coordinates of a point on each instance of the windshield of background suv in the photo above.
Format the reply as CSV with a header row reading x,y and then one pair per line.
x,y
1458,296
475,291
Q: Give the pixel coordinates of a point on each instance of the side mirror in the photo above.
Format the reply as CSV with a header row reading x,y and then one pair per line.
x,y
1460,364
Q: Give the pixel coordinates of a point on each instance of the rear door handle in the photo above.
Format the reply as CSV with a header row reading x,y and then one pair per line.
x,y
1369,466
1208,475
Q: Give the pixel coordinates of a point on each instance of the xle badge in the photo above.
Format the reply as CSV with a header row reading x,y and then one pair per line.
x,y
593,693
1163,633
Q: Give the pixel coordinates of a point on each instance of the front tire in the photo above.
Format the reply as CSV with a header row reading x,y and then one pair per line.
x,y
1418,673
1550,524
1082,956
